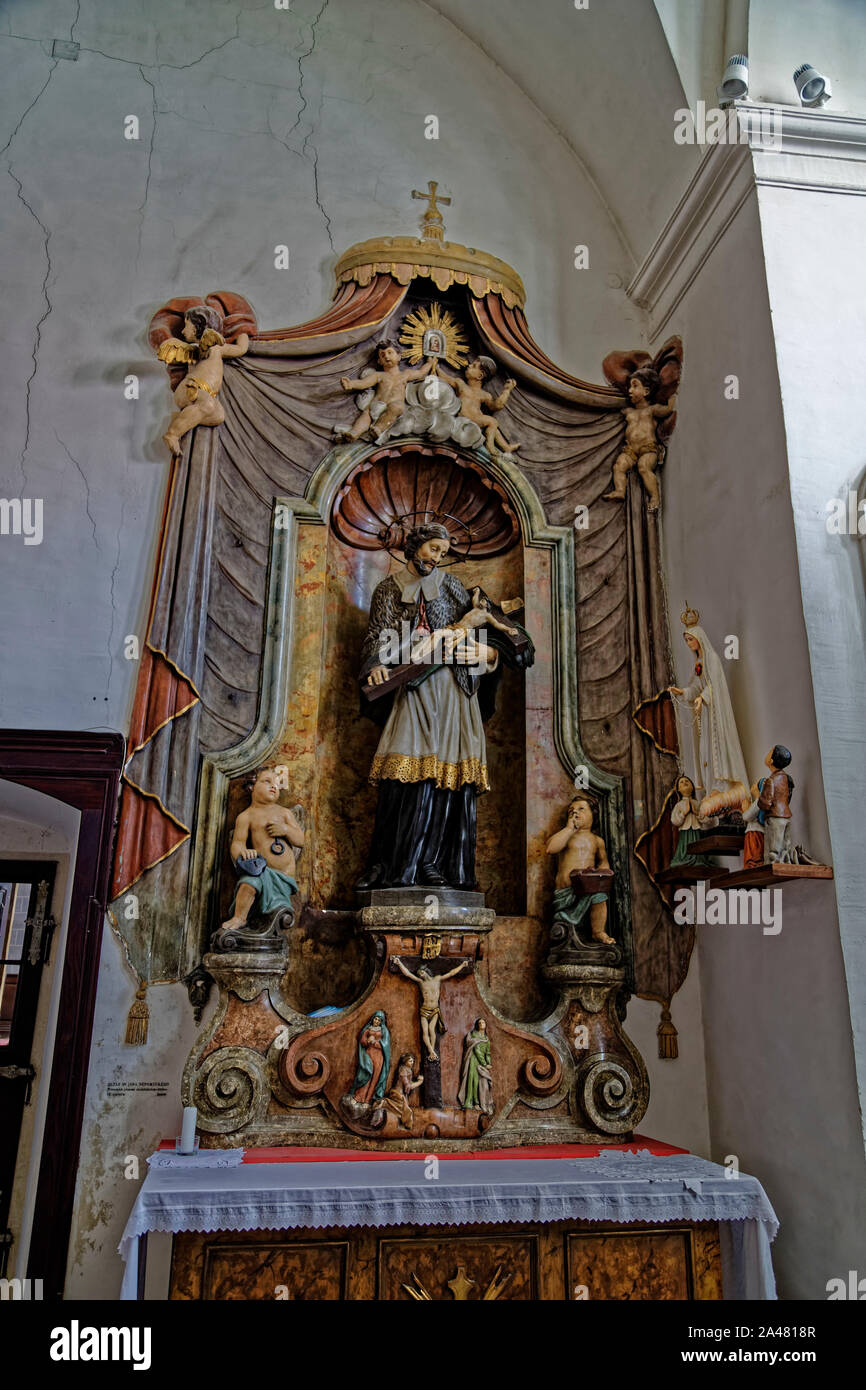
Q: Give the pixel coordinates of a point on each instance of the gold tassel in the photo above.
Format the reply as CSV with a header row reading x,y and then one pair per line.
x,y
667,1036
137,1018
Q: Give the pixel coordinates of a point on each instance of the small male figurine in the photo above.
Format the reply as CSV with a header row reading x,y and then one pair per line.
x,y
642,445
263,846
774,801
754,817
578,848
431,988
389,398
473,399
197,396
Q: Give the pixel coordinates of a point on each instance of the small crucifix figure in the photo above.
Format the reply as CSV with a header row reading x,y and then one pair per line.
x,y
432,223
431,988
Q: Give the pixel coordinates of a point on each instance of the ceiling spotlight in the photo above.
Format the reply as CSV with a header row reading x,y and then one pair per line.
x,y
735,81
812,88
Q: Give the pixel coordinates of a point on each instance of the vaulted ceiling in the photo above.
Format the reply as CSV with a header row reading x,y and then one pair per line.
x,y
605,80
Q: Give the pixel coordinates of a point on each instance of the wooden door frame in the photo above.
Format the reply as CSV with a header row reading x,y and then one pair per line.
x,y
83,770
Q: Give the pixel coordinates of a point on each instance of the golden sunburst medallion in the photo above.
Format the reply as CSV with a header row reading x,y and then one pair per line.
x,y
434,332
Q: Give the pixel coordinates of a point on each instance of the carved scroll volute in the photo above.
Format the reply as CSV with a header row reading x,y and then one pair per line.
x,y
304,1072
542,1075
612,1095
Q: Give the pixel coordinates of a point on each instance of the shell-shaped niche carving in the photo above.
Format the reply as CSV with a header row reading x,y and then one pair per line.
x,y
395,489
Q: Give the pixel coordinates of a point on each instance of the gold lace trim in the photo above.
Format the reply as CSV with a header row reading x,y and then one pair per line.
x,y
398,767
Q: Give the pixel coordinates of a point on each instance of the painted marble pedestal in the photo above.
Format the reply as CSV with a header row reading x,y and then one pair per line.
x,y
263,1074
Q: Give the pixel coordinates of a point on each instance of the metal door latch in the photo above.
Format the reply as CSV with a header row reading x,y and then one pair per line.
x,y
27,1074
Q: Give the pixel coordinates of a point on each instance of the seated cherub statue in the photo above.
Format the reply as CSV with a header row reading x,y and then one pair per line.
x,y
579,848
474,398
642,445
385,391
264,847
197,396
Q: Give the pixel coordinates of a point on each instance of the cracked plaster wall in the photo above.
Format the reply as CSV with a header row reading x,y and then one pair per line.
x,y
257,127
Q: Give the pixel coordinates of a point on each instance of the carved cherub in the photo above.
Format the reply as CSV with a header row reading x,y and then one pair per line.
x,y
642,443
579,848
265,842
473,399
387,392
204,347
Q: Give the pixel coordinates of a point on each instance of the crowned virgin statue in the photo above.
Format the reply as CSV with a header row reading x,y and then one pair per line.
x,y
708,730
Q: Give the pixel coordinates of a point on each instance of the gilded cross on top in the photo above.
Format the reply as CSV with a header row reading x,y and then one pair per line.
x,y
432,223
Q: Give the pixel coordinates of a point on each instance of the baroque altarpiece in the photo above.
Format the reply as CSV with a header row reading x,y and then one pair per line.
x,y
398,752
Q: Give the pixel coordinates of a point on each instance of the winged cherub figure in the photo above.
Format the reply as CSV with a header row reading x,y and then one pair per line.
x,y
383,393
475,401
651,386
205,349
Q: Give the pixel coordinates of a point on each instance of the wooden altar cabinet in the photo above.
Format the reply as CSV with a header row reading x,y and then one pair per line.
x,y
528,1261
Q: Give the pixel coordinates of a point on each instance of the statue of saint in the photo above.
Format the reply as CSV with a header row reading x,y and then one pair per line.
x,y
374,1061
397,1100
431,762
708,728
476,1077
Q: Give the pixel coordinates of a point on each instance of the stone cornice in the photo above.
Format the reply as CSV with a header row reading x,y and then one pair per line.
x,y
784,147
721,185
817,150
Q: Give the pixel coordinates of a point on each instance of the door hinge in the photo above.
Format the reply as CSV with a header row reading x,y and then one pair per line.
x,y
13,1073
41,929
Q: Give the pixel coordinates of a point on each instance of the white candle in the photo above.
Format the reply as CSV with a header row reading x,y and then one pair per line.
x,y
187,1133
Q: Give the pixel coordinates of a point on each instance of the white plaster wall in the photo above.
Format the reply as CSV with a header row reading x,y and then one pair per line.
x,y
829,34
814,247
607,83
695,31
121,1128
781,1085
677,1111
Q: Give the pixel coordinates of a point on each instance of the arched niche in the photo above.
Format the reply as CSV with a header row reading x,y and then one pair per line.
x,y
322,575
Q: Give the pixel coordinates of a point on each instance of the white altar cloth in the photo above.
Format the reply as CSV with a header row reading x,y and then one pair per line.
x,y
616,1186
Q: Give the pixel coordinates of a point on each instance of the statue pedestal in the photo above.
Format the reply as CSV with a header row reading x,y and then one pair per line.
x,y
423,1060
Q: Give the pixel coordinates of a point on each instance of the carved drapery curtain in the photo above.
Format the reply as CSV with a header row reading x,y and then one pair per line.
x,y
198,682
